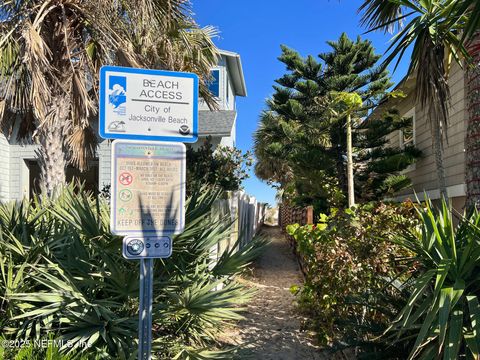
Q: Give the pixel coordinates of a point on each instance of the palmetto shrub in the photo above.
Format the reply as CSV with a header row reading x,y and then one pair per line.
x,y
62,273
349,261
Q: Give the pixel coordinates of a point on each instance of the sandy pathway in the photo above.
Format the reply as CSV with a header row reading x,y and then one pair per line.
x,y
271,330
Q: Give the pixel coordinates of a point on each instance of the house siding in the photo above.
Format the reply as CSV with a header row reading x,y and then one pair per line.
x,y
229,92
19,174
104,164
4,169
424,173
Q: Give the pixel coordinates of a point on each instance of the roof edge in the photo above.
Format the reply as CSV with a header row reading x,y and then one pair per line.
x,y
407,81
234,63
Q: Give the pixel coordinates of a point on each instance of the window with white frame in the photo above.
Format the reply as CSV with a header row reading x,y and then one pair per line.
x,y
214,83
407,135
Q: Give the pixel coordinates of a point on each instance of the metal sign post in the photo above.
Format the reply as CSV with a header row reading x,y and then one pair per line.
x,y
146,249
145,310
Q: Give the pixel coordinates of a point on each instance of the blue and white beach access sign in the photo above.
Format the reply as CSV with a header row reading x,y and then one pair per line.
x,y
141,104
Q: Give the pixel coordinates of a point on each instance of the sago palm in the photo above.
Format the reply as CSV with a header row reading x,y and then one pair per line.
x,y
432,29
50,55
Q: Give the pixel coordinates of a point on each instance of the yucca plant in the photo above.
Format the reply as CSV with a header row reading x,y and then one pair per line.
x,y
441,318
62,272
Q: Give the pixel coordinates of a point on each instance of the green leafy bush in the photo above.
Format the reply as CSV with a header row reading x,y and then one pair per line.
x,y
222,166
348,260
62,273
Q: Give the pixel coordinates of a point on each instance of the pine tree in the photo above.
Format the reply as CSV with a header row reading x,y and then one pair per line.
x,y
301,147
378,163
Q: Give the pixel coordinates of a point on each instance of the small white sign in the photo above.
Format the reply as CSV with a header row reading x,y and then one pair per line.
x,y
148,188
142,104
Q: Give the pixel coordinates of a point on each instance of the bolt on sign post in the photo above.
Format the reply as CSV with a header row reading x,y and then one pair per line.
x,y
143,109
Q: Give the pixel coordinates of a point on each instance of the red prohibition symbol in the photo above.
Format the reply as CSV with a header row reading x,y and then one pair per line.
x,y
125,178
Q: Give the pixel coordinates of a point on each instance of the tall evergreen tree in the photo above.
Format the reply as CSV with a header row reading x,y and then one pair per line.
x,y
377,162
300,146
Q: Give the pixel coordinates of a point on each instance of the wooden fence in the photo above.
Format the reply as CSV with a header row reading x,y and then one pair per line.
x,y
247,216
294,215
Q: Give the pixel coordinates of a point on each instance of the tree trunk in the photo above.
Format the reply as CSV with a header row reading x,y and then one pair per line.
x,y
51,155
438,152
340,159
341,170
472,139
351,189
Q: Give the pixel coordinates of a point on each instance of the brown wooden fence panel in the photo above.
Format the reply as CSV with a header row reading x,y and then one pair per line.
x,y
288,215
294,215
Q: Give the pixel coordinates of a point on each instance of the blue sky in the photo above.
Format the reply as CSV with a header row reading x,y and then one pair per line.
x,y
255,30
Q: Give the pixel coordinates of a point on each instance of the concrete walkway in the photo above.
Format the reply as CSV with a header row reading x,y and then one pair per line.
x,y
272,328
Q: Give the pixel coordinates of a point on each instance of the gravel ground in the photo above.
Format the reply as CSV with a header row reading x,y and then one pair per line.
x,y
272,328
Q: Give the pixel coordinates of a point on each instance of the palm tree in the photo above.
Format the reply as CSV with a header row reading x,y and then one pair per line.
x,y
432,28
271,148
50,55
470,8
472,148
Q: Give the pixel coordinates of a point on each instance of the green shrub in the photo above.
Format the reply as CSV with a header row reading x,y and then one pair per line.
x,y
349,260
62,273
222,166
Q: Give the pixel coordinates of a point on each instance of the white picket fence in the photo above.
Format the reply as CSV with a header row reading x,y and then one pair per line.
x,y
247,215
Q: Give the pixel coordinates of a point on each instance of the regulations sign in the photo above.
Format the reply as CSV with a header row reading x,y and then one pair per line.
x,y
141,104
148,187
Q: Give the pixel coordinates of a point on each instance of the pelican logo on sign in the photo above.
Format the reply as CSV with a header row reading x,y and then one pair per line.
x,y
117,93
117,101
